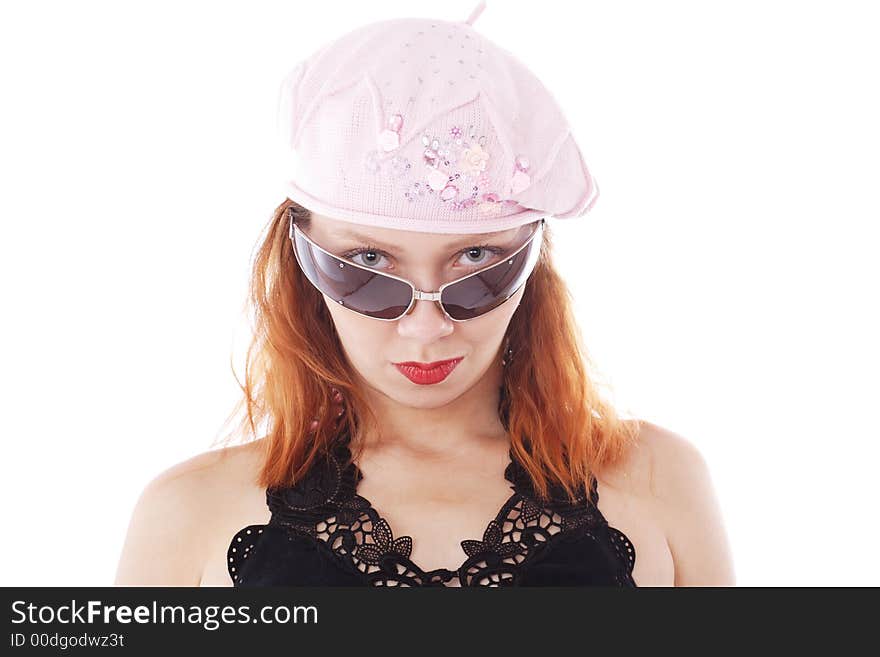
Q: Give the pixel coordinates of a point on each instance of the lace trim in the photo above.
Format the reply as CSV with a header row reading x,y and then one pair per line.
x,y
326,506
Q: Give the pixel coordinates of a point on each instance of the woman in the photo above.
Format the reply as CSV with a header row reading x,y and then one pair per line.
x,y
430,416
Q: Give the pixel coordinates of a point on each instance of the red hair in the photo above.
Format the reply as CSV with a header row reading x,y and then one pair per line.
x,y
561,430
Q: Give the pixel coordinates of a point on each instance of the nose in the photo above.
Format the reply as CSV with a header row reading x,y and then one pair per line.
x,y
425,322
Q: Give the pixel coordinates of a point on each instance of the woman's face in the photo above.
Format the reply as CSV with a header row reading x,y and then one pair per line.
x,y
425,334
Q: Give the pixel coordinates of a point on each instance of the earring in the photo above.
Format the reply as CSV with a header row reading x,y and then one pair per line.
x,y
508,354
339,400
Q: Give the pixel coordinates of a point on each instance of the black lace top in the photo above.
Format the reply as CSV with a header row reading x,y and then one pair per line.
x,y
322,533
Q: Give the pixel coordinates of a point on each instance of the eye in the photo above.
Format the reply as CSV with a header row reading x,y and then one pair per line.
x,y
479,256
372,256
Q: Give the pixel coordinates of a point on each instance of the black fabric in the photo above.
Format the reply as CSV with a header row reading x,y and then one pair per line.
x,y
322,533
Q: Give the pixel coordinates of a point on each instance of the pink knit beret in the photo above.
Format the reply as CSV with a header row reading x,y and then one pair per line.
x,y
426,125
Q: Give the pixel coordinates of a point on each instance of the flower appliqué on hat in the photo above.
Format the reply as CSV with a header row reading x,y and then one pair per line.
x,y
490,204
521,178
389,138
474,160
396,166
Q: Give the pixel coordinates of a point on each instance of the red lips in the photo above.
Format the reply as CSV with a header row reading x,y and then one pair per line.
x,y
427,373
427,366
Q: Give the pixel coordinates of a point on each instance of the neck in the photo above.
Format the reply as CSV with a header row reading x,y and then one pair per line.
x,y
466,424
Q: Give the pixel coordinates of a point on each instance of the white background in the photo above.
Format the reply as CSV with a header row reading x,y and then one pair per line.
x,y
725,280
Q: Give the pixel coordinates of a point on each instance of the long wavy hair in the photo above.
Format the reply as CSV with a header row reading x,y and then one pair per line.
x,y
561,430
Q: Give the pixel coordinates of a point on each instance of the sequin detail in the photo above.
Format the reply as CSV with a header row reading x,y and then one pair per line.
x,y
451,169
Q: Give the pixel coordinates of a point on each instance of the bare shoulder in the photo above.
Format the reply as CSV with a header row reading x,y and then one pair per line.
x,y
677,479
177,512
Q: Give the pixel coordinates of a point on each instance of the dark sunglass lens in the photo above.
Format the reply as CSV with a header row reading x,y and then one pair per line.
x,y
358,289
488,289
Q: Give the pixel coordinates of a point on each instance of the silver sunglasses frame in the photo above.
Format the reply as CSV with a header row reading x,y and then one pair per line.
x,y
418,295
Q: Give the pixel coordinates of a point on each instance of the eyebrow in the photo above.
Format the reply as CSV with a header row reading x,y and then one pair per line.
x,y
466,241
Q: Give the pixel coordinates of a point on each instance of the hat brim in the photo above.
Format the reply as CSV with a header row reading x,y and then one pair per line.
x,y
482,224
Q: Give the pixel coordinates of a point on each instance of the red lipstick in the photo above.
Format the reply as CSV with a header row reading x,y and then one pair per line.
x,y
427,373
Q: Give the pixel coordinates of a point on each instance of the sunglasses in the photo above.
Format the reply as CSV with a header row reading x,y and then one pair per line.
x,y
378,295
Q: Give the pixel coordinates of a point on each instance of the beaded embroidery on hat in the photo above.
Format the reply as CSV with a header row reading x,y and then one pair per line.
x,y
452,170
